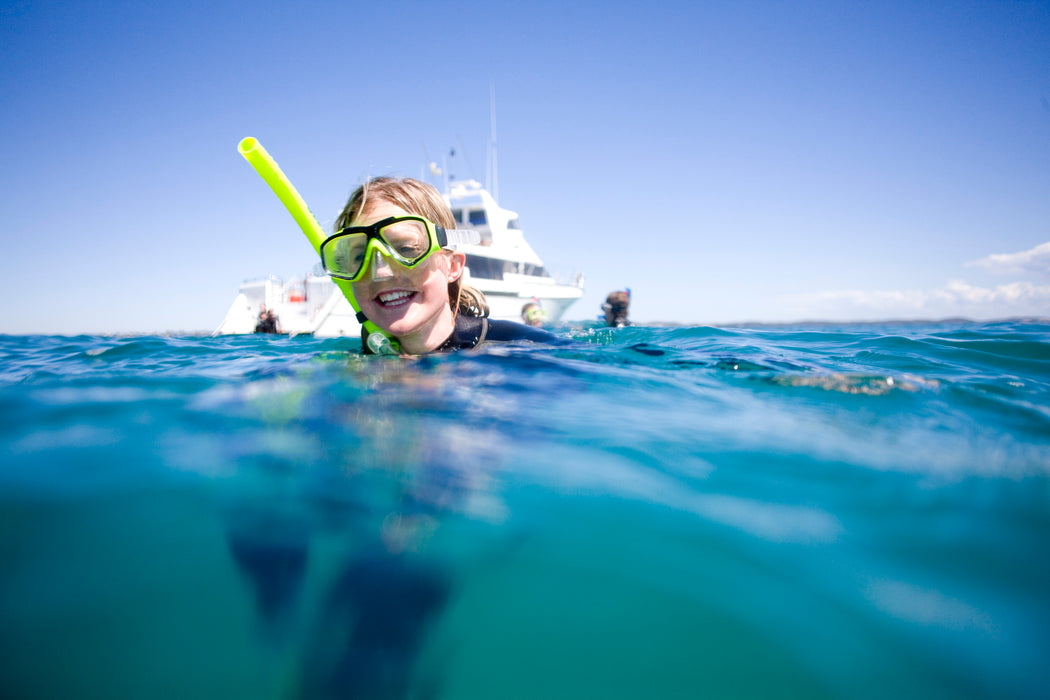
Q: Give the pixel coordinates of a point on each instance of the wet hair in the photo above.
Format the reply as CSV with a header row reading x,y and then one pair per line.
x,y
423,200
619,300
615,308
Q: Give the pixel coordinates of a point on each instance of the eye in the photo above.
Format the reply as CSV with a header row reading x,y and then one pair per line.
x,y
409,249
355,252
407,238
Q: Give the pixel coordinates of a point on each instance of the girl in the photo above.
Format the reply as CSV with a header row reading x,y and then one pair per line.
x,y
393,242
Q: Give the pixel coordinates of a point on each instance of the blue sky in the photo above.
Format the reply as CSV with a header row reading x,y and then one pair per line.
x,y
729,162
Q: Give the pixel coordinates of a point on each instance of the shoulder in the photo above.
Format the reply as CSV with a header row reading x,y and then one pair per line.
x,y
503,331
472,331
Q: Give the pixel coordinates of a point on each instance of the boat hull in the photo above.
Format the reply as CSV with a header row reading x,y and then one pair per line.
x,y
317,307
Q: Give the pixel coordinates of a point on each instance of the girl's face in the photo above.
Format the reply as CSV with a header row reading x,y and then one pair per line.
x,y
411,305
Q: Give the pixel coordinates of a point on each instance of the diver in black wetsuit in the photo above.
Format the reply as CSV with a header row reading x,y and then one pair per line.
x,y
615,308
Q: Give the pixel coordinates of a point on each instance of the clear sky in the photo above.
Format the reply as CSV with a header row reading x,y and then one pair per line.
x,y
727,161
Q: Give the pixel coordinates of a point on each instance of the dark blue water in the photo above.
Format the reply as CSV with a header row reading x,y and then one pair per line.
x,y
852,511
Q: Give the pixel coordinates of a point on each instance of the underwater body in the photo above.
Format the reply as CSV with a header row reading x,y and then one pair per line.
x,y
811,511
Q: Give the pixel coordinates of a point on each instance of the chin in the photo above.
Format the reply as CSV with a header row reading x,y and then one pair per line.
x,y
402,327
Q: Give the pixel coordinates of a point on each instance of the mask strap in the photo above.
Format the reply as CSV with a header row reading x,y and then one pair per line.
x,y
455,237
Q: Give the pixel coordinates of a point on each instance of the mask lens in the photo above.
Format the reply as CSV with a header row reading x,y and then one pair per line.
x,y
407,240
344,256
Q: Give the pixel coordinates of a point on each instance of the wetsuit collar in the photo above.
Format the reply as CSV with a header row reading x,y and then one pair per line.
x,y
469,332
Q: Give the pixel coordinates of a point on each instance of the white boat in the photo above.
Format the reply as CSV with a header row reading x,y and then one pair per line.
x,y
503,266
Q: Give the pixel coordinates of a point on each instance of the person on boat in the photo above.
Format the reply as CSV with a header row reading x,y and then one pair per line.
x,y
533,314
615,308
267,322
393,242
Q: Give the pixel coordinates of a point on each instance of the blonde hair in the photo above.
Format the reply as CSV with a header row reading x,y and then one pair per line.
x,y
423,200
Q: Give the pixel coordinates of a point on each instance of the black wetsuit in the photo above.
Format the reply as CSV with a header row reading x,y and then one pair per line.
x,y
472,331
266,324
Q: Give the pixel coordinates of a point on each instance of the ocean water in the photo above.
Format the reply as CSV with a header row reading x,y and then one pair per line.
x,y
822,511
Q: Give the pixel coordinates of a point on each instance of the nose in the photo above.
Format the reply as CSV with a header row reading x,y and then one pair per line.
x,y
380,267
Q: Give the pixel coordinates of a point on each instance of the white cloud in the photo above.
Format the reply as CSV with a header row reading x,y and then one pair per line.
x,y
955,298
1035,260
958,291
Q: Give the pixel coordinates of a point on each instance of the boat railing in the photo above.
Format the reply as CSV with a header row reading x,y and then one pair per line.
x,y
566,276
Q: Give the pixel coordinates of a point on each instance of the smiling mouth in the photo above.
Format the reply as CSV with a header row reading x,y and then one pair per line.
x,y
395,298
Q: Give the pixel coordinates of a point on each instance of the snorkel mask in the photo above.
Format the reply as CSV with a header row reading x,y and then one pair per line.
x,y
535,314
407,240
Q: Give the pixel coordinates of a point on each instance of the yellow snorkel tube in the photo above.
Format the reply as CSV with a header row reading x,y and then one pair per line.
x,y
268,169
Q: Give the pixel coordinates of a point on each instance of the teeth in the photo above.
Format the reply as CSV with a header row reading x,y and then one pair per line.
x,y
390,297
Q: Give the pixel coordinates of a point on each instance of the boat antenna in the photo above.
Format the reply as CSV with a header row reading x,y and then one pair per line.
x,y
466,157
492,176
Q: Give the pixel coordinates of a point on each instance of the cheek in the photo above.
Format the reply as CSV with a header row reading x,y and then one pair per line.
x,y
437,282
360,290
439,270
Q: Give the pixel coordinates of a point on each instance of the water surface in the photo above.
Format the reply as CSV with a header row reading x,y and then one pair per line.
x,y
813,511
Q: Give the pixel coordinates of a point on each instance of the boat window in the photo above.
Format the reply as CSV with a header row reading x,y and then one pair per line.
x,y
529,269
457,214
485,268
513,224
477,217
494,269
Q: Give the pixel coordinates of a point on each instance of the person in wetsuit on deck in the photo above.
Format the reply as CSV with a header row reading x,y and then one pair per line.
x,y
395,241
267,321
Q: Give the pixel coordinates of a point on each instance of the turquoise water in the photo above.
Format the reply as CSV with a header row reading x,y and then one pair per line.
x,y
839,511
